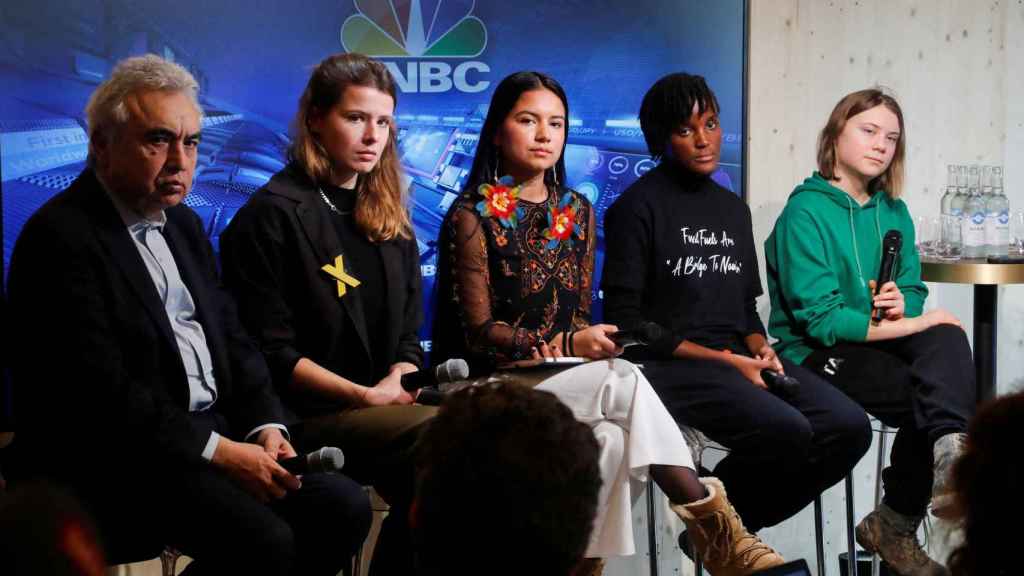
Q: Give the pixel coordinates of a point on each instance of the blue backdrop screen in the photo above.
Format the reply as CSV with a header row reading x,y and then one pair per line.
x,y
253,58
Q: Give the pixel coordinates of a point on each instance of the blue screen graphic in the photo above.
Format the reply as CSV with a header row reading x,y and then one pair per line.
x,y
253,58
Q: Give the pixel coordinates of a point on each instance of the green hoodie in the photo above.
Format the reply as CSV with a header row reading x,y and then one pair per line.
x,y
820,256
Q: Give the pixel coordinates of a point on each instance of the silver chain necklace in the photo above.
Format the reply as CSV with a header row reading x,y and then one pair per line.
x,y
331,204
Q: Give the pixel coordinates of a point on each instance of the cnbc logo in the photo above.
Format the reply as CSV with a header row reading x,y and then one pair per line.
x,y
409,36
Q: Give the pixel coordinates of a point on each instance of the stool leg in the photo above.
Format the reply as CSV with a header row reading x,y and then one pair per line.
x,y
819,539
169,560
875,560
652,529
851,546
357,562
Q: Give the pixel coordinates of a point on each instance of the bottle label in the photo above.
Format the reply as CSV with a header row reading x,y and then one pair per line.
x,y
1002,234
974,230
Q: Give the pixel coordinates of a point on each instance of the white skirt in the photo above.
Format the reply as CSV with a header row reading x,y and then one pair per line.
x,y
633,429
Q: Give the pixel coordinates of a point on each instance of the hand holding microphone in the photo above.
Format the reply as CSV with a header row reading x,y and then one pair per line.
x,y
887,301
426,383
447,371
325,460
782,385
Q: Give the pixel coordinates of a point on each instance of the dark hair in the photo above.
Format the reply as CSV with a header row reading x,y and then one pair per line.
x,y
852,104
987,480
380,208
504,99
668,104
508,485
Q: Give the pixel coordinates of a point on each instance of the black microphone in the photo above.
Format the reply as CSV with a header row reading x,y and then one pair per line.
x,y
448,371
324,460
780,384
650,332
642,335
430,397
891,245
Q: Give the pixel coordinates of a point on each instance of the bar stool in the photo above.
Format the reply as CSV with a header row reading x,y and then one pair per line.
x,y
380,509
168,559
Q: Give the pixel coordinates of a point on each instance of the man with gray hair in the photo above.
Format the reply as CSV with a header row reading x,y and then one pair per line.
x,y
134,382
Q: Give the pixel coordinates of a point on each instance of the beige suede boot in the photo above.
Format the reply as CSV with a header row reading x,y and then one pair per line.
x,y
719,537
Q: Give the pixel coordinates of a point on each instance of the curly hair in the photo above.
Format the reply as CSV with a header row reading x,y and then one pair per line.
x,y
668,104
988,479
508,484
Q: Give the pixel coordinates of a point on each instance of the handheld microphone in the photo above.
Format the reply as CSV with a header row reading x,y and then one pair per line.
x,y
324,460
780,384
891,245
430,397
642,335
448,371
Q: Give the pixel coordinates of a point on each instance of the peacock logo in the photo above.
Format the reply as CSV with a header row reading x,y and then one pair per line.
x,y
414,29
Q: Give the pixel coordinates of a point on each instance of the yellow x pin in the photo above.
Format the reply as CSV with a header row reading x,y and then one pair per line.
x,y
338,273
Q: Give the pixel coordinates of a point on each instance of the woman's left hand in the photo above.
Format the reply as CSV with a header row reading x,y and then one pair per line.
x,y
766,352
889,299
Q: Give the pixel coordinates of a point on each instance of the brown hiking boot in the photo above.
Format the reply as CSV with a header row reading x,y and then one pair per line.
x,y
719,537
893,536
947,450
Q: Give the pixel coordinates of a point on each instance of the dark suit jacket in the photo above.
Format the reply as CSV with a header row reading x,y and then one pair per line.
x,y
272,254
97,374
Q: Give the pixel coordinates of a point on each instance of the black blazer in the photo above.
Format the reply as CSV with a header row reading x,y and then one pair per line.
x,y
272,254
97,373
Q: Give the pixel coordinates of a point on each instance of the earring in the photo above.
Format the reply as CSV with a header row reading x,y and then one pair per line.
x,y
497,166
554,176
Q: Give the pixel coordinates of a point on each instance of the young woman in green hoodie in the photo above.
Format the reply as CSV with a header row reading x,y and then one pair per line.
x,y
909,368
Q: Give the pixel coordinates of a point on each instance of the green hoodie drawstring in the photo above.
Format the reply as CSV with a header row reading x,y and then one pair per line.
x,y
853,236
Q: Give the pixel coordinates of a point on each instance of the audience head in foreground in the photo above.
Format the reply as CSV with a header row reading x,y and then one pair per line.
x,y
987,479
508,484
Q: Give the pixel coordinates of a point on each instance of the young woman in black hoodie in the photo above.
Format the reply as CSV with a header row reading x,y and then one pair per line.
x,y
680,264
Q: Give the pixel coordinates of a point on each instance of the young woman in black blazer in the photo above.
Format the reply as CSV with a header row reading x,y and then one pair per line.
x,y
324,265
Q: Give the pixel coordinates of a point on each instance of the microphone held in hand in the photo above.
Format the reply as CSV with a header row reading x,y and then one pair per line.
x,y
643,335
448,371
324,460
891,245
780,384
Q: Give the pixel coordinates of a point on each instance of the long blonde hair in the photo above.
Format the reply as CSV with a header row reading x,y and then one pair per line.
x,y
380,211
852,104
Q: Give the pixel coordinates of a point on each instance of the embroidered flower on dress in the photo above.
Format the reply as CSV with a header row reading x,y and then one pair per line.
x,y
562,222
501,201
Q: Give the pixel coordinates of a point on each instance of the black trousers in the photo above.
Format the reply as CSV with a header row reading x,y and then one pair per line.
x,y
922,384
783,452
379,446
204,514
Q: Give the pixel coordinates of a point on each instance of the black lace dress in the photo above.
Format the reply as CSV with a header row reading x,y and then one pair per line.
x,y
511,273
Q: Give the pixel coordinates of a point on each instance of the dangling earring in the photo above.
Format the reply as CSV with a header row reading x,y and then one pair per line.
x,y
554,177
497,166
